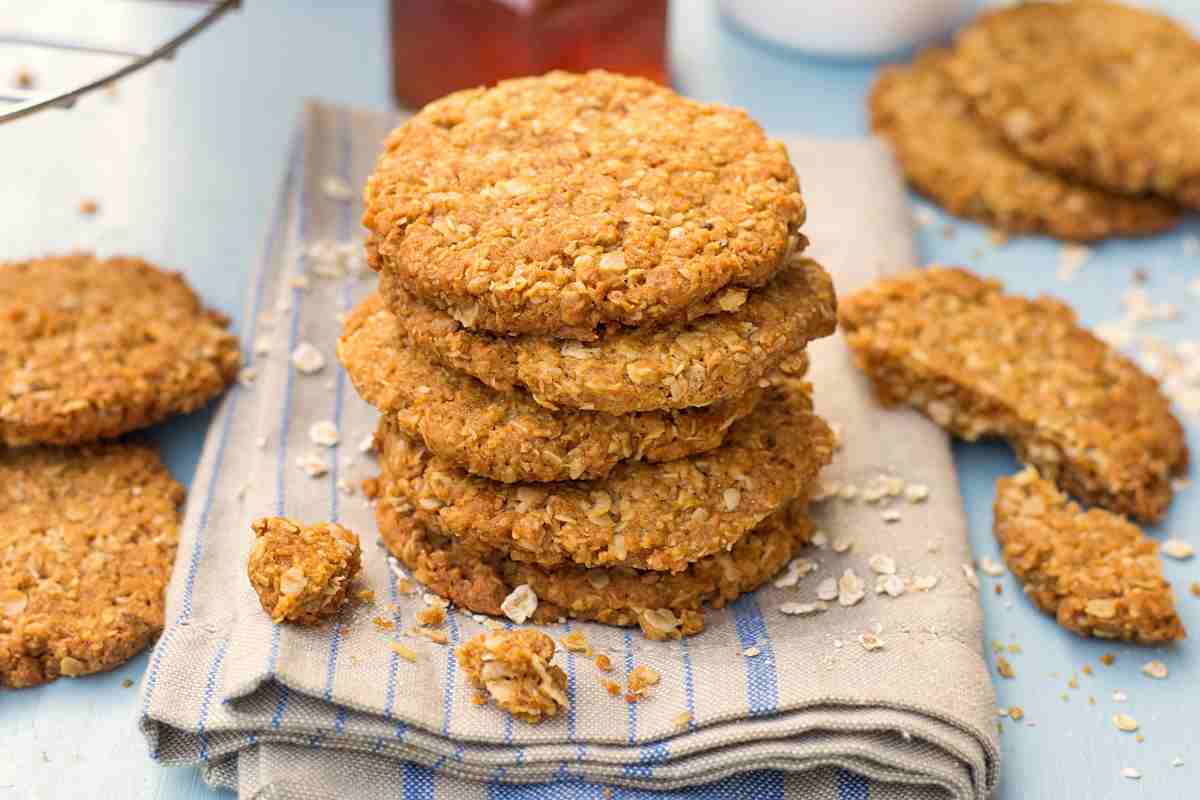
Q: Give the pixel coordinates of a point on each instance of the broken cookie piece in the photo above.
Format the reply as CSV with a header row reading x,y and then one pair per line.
x,y
302,574
982,363
514,668
1096,572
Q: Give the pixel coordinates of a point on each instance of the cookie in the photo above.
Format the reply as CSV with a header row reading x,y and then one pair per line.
x,y
650,516
954,157
983,363
1094,571
1099,91
302,573
506,436
557,204
638,369
514,669
665,605
87,541
90,349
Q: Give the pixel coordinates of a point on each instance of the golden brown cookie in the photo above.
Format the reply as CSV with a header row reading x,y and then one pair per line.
x,y
1102,92
983,363
639,369
514,669
90,349
1095,571
557,204
952,156
506,436
302,573
649,516
87,540
665,605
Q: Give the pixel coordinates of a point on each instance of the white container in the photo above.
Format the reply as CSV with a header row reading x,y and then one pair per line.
x,y
848,28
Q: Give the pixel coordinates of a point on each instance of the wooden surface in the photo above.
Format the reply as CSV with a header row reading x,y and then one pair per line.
x,y
185,163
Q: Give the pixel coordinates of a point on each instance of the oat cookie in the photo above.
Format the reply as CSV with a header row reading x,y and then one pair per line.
x,y
91,349
87,541
651,516
1095,571
665,605
627,370
1105,93
557,204
506,436
302,573
983,363
514,668
954,157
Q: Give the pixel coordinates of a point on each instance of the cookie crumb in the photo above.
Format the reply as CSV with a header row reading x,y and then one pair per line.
x,y
431,616
1178,549
603,663
1124,722
1016,713
1131,773
405,652
307,359
642,678
126,683
302,573
1005,668
1155,669
323,433
88,207
520,604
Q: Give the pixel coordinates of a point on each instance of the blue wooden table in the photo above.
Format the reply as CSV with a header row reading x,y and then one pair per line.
x,y
185,162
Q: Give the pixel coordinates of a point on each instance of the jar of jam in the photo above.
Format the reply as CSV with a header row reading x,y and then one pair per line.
x,y
440,46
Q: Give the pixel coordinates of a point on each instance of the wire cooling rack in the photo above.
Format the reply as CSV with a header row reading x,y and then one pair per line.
x,y
17,102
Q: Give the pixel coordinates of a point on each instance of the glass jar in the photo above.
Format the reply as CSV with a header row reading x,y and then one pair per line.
x,y
440,46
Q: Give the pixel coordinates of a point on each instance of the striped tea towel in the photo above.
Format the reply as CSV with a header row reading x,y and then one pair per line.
x,y
778,706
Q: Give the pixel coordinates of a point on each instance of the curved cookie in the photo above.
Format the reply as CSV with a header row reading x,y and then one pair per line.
x,y
648,516
91,349
665,605
506,436
1096,572
87,540
1099,91
553,205
983,363
952,155
637,369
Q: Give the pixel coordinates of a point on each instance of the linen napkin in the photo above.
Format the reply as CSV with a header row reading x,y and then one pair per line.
x,y
888,696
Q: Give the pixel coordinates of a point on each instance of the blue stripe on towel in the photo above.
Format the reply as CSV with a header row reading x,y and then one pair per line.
x,y
689,681
210,687
762,681
416,782
451,665
632,707
281,702
852,786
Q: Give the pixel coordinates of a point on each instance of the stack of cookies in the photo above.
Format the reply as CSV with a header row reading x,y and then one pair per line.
x,y
588,349
1070,119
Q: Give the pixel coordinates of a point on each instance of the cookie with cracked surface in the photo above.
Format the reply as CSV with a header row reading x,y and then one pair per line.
x,y
1096,572
664,605
557,204
92,348
983,363
302,573
506,436
87,541
514,669
954,157
1099,91
650,516
638,369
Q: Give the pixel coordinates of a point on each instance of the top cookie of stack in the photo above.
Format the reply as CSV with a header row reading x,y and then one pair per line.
x,y
561,204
